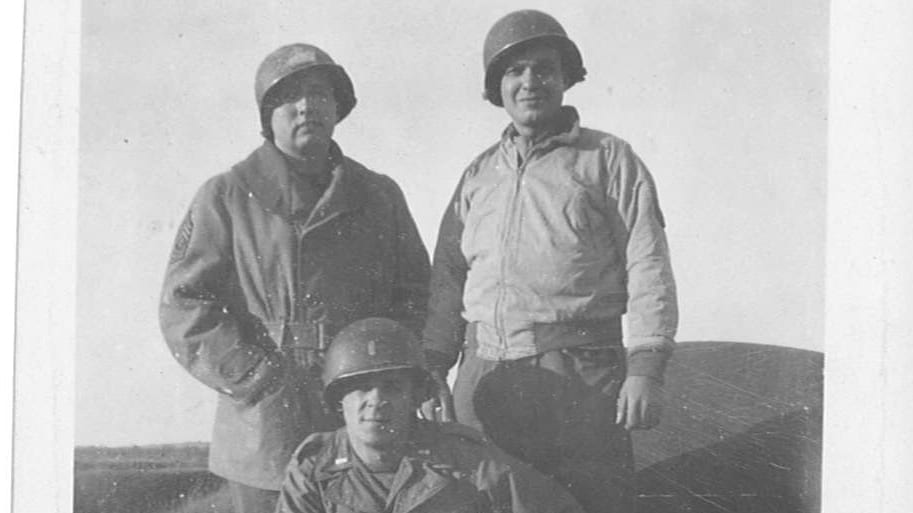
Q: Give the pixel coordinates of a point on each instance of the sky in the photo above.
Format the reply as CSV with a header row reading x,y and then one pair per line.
x,y
725,101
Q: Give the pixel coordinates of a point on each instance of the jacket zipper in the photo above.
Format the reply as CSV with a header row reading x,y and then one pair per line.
x,y
506,253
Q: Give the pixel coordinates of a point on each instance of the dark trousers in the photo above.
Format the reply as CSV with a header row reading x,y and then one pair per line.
x,y
556,411
248,499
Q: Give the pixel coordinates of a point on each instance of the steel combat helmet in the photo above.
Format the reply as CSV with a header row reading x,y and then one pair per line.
x,y
371,346
296,58
515,31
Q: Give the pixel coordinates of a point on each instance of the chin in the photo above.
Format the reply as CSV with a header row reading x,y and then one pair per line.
x,y
312,140
375,434
533,115
379,442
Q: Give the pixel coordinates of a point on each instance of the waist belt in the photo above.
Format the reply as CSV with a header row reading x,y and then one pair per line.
x,y
305,342
537,338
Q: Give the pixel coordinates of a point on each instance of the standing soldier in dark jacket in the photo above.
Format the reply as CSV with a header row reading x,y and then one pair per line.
x,y
387,460
554,233
275,256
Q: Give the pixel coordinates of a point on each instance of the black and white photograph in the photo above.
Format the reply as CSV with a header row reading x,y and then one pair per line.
x,y
342,256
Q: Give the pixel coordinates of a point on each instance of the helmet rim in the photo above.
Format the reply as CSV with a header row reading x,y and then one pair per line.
x,y
333,391
370,346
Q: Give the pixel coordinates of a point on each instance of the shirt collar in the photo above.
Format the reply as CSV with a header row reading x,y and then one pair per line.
x,y
563,131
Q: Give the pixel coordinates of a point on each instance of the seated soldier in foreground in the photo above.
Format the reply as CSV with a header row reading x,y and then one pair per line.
x,y
386,458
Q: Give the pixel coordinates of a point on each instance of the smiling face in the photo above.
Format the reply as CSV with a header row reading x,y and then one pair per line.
x,y
379,409
532,87
306,113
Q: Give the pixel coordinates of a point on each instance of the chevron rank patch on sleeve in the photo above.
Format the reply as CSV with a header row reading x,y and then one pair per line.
x,y
182,240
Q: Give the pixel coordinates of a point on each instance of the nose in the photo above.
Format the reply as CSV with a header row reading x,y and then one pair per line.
x,y
372,393
529,78
305,105
375,397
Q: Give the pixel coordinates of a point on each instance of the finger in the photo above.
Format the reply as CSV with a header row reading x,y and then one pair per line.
x,y
649,415
620,408
633,416
644,421
448,412
428,407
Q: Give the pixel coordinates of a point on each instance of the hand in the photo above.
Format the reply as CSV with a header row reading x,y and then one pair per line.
x,y
265,379
640,403
440,407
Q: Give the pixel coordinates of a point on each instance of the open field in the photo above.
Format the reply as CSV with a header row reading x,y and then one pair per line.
x,y
741,433
150,479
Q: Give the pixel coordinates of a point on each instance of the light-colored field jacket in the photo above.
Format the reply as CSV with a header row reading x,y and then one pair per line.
x,y
549,251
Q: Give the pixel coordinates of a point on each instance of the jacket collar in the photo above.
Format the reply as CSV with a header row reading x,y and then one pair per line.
x,y
266,176
419,477
339,455
564,132
335,458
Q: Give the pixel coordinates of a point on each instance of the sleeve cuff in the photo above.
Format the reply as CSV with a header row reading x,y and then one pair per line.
x,y
648,363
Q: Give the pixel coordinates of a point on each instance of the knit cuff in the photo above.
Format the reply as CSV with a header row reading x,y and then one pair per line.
x,y
648,363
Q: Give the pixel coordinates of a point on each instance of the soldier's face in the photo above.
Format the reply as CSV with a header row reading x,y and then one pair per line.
x,y
379,409
306,115
532,87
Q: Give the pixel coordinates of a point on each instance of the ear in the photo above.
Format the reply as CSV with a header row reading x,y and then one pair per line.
x,y
564,77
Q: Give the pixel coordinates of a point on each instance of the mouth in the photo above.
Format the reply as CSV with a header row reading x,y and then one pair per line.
x,y
532,103
308,126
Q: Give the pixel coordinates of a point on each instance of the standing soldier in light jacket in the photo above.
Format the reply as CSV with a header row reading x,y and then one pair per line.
x,y
552,235
274,256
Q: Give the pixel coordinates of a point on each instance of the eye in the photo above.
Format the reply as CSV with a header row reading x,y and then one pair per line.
x,y
362,387
514,70
361,384
544,70
320,95
287,97
392,386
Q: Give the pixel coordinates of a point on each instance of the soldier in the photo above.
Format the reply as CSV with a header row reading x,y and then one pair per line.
x,y
552,234
386,459
276,255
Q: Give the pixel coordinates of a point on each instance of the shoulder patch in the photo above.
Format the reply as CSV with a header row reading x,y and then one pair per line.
x,y
182,239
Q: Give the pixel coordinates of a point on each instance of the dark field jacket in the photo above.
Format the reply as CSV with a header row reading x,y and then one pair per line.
x,y
255,289
449,468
